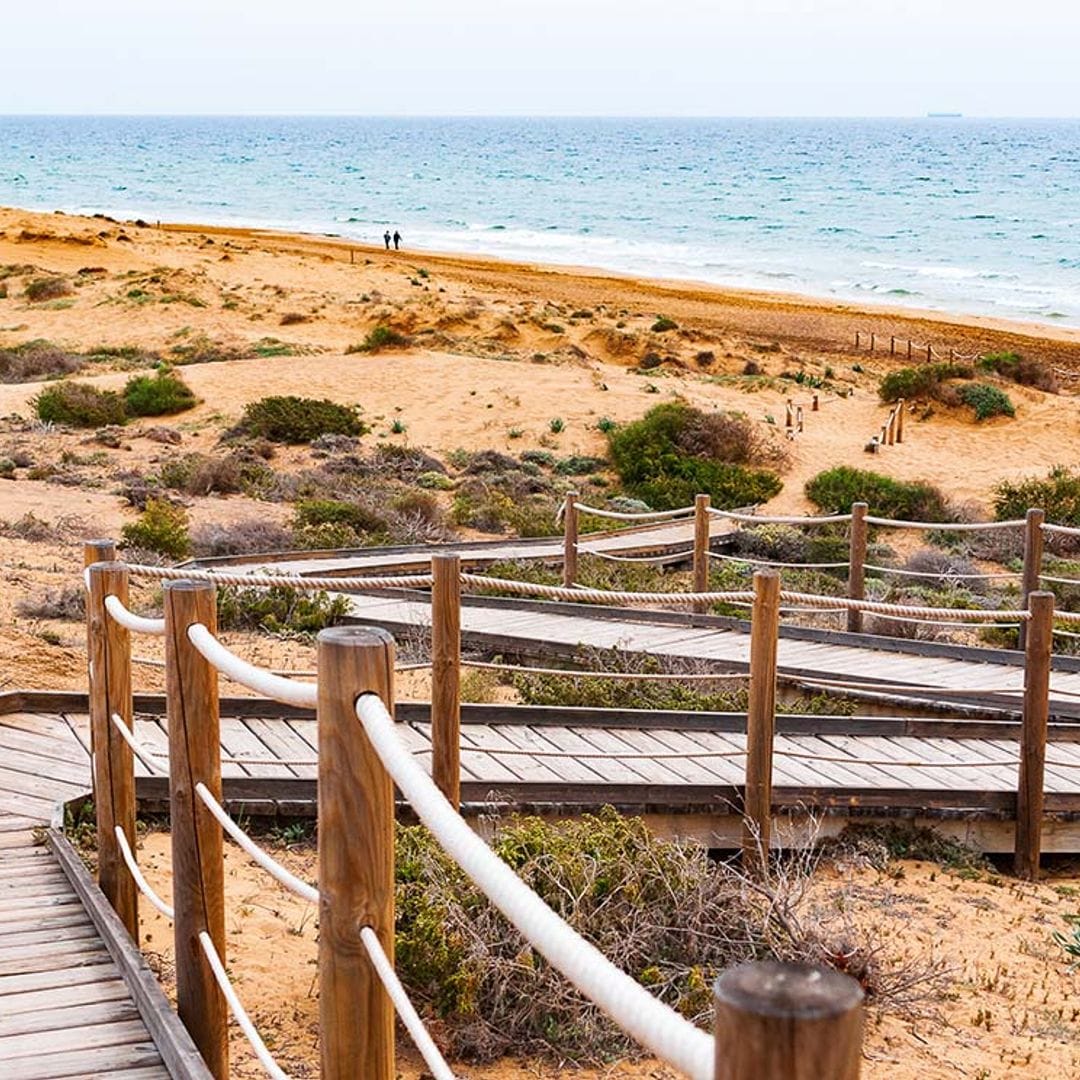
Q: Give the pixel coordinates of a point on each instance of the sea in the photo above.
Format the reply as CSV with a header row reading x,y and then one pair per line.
x,y
972,216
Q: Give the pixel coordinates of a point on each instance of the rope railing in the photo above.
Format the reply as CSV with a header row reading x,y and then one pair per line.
x,y
1060,530
945,526
774,564
650,560
639,515
270,581
141,752
655,1025
942,575
137,624
779,519
133,869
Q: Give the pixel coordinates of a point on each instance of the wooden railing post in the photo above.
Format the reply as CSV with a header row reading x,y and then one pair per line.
x,y
857,564
701,548
446,675
191,689
570,540
761,718
1029,790
356,857
789,414
1033,561
114,768
94,551
900,421
779,1021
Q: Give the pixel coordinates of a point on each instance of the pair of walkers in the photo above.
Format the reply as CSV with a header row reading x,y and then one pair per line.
x,y
396,238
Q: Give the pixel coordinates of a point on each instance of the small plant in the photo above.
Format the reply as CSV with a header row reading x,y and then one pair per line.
x,y
161,394
80,405
921,382
293,419
47,288
605,425
663,324
1058,494
162,528
291,318
834,490
1070,944
398,427
986,400
381,337
279,608
515,433
1020,369
556,424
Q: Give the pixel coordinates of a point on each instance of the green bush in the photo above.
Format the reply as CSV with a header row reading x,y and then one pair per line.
x,y
663,324
294,419
1058,494
80,405
161,394
381,337
834,490
318,512
279,608
986,400
1022,370
920,382
161,527
47,288
671,454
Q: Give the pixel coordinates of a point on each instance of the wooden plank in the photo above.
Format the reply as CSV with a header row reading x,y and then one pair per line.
x,y
26,959
237,740
91,990
287,745
18,935
104,1061
41,961
72,1017
87,975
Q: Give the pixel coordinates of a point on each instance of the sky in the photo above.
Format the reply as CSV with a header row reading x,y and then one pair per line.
x,y
545,57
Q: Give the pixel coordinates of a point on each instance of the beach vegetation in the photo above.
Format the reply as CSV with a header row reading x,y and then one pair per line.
x,y
834,490
80,405
37,360
663,324
579,465
923,381
67,603
161,528
291,419
249,537
986,400
266,348
556,424
162,394
378,338
1025,371
47,288
1058,494
280,608
291,318
359,519
220,474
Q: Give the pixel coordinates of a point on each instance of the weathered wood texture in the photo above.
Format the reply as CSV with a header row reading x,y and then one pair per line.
x,y
446,675
858,533
761,718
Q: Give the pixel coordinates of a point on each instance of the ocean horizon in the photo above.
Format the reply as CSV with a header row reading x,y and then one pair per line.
x,y
965,215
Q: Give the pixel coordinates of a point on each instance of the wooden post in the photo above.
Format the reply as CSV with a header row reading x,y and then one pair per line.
x,y
892,346
352,256
884,433
356,857
761,719
909,349
1033,560
570,540
872,339
929,353
890,426
857,564
814,406
798,419
98,551
1029,790
191,689
900,421
789,415
779,1021
446,675
856,339
113,765
701,548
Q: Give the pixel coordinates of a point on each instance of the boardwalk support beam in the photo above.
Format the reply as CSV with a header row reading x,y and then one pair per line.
x,y
446,675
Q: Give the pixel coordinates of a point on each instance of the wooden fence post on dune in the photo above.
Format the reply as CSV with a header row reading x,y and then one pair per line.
x,y
787,1022
701,548
1033,560
570,539
356,857
1030,786
900,421
857,564
446,675
114,767
761,719
191,689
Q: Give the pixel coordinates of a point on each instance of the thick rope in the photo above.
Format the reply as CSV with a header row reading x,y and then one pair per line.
x,y
655,1025
947,575
254,678
136,873
644,515
274,869
778,565
955,625
142,753
1062,530
266,1059
137,624
945,526
1059,580
405,1008
779,519
295,581
651,560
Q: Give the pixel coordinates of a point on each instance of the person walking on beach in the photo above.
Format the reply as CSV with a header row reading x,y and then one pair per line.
x,y
397,240
386,239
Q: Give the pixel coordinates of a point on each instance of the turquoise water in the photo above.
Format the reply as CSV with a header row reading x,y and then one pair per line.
x,y
975,216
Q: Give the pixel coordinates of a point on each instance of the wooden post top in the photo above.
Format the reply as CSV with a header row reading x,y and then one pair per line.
x,y
95,551
346,637
187,585
798,991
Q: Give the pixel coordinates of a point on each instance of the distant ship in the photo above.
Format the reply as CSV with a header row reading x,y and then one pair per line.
x,y
943,115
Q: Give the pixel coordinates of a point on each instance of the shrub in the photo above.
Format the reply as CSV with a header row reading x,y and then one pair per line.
x,y
47,288
34,360
922,381
986,400
579,465
834,490
80,405
161,394
1058,494
1022,370
316,512
68,602
293,419
279,608
254,536
663,324
381,337
162,528
205,474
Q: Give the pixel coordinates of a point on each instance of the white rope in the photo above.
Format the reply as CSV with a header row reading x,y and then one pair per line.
x,y
266,1059
254,678
955,624
1062,530
1067,634
779,519
144,755
1059,580
1067,616
644,515
946,575
136,873
274,869
944,526
780,565
652,560
635,675
295,581
898,688
656,1026
405,1009
130,621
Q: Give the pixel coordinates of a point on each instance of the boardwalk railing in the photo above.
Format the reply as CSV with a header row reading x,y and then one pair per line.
x,y
360,762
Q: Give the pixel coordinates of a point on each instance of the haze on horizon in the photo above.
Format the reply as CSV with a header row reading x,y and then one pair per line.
x,y
559,57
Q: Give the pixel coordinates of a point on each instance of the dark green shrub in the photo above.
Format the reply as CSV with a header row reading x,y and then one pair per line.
x,y
161,394
834,490
161,527
663,324
578,465
381,337
1022,370
986,400
279,608
47,288
315,512
1058,494
920,382
299,420
80,405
